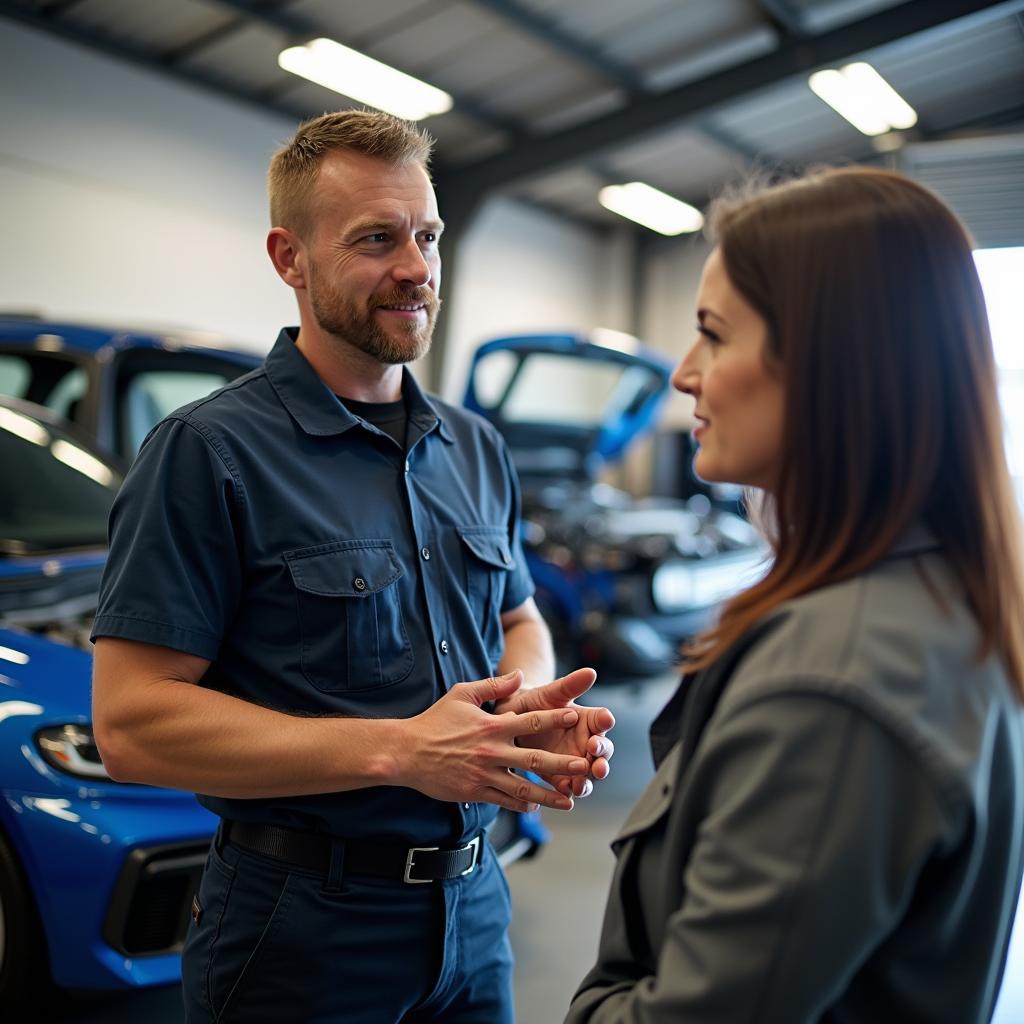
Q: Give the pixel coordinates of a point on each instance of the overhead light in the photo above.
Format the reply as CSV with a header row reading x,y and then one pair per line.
x,y
364,79
652,208
861,95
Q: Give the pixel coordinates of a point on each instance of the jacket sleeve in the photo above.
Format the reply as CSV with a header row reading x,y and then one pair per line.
x,y
815,824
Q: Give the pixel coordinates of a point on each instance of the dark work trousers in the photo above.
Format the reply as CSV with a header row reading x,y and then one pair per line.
x,y
277,944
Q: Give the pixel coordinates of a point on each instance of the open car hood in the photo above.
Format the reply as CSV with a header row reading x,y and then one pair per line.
x,y
567,403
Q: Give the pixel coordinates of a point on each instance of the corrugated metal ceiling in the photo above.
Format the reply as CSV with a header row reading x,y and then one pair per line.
x,y
556,97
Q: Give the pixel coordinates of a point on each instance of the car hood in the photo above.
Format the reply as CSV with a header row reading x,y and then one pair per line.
x,y
43,679
45,587
567,403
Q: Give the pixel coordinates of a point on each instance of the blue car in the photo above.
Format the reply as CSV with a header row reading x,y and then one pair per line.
x,y
622,582
95,876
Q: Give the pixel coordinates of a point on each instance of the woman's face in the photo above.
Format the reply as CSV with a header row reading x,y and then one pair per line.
x,y
738,398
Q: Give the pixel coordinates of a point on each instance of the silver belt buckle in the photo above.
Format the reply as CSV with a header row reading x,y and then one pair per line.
x,y
410,858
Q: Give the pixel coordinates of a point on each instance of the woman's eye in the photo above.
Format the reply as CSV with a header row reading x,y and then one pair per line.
x,y
710,335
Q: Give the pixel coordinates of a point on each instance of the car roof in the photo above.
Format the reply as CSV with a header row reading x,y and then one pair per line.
x,y
88,338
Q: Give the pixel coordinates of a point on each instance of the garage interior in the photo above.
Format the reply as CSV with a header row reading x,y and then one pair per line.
x,y
135,137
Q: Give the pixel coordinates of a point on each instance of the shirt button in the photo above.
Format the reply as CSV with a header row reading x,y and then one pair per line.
x,y
359,583
465,807
507,559
407,465
443,646
425,552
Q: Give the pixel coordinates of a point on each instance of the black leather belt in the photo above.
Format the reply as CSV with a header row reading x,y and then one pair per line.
x,y
414,865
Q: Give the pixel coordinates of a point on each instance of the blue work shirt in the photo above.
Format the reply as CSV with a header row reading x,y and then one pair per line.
x,y
321,569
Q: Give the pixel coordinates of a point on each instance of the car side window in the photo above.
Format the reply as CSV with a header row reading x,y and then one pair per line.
x,y
64,398
153,394
14,376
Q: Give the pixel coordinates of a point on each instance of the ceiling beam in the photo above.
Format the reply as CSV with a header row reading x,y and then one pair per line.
x,y
784,16
88,37
300,28
793,57
183,51
547,31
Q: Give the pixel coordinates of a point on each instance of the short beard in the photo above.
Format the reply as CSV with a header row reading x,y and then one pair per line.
x,y
340,317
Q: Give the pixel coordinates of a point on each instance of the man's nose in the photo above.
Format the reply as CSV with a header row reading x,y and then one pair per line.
x,y
412,266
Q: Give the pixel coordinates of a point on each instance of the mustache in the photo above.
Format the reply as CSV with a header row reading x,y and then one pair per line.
x,y
407,296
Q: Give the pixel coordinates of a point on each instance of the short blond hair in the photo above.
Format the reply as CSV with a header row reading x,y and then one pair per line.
x,y
294,167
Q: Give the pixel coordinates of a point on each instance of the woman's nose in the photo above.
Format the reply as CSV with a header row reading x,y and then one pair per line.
x,y
686,378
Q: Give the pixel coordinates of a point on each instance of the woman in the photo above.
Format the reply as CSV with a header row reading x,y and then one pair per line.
x,y
836,828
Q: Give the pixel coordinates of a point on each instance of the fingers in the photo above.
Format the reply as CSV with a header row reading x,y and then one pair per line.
x,y
600,747
493,688
541,762
518,794
558,693
530,723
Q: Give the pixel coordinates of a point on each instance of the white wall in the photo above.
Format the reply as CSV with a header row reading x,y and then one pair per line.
x,y
668,310
521,270
127,197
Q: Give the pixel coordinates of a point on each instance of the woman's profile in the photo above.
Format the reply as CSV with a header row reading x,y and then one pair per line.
x,y
836,828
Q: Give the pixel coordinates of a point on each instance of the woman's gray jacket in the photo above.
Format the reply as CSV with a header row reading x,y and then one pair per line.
x,y
836,828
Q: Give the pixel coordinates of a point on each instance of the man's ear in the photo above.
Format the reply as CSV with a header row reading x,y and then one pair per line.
x,y
287,253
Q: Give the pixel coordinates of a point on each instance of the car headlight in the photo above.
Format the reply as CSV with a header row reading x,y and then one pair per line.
x,y
72,749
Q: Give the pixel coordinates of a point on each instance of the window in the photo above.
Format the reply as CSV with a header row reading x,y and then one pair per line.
x,y
152,394
1001,272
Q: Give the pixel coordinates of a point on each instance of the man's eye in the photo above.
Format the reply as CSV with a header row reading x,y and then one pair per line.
x,y
377,236
429,236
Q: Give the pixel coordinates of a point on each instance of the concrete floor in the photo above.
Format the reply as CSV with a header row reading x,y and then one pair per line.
x,y
558,897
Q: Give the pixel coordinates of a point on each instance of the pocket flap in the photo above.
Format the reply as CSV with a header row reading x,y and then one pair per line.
x,y
489,544
347,569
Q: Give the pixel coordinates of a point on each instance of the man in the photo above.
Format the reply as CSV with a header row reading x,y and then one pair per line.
x,y
303,567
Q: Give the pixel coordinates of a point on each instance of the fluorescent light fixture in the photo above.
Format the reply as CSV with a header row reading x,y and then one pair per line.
x,y
654,209
861,95
364,79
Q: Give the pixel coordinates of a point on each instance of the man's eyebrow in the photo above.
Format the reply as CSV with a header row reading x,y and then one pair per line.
x,y
702,314
370,227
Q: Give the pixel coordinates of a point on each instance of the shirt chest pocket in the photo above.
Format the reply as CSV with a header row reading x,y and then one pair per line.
x,y
487,561
353,634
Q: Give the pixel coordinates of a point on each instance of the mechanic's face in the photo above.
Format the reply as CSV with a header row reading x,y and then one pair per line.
x,y
739,401
374,266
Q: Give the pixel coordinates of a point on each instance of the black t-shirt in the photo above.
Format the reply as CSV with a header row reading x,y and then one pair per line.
x,y
390,417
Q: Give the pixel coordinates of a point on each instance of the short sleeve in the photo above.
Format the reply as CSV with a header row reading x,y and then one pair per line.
x,y
173,577
519,587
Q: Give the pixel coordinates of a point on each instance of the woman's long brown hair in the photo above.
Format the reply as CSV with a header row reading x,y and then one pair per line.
x,y
877,326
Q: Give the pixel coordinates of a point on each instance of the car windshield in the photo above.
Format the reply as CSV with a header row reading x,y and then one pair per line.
x,y
56,492
554,388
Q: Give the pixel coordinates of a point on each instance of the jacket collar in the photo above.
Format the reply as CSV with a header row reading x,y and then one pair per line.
x,y
315,407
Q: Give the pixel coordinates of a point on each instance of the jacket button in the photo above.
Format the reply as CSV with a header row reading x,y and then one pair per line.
x,y
359,583
507,559
443,646
425,552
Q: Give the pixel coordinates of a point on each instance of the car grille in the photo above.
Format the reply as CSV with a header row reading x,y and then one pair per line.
x,y
149,911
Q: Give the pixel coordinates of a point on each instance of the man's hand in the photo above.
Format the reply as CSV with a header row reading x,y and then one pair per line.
x,y
456,751
586,739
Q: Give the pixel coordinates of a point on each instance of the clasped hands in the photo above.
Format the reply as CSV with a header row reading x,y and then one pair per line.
x,y
462,753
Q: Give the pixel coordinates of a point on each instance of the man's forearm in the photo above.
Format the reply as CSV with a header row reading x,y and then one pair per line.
x,y
528,647
188,737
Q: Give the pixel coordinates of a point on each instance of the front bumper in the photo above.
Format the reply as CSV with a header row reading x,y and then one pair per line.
x,y
112,870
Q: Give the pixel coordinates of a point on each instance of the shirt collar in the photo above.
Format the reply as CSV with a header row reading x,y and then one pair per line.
x,y
314,406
